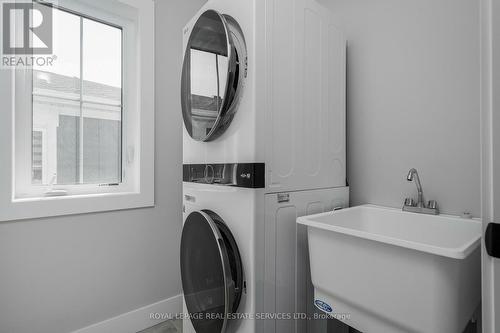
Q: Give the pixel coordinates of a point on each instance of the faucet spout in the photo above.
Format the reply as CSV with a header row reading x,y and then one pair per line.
x,y
413,176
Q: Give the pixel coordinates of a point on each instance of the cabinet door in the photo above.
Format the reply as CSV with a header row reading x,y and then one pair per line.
x,y
306,103
288,287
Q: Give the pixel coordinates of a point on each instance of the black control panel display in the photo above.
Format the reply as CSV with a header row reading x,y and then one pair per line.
x,y
249,175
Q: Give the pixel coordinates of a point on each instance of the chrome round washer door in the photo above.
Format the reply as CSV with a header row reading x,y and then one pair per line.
x,y
213,73
211,271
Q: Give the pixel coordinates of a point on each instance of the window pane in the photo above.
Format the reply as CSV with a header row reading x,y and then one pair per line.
x,y
102,53
37,157
68,149
66,44
56,106
101,150
102,96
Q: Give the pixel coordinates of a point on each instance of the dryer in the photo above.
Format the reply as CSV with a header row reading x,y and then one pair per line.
x,y
264,82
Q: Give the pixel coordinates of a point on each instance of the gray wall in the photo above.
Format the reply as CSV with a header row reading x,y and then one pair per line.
x,y
64,273
413,100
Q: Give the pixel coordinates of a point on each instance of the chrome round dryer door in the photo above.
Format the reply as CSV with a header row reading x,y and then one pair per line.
x,y
211,271
212,75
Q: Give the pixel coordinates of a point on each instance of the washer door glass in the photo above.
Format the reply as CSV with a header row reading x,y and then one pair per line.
x,y
211,75
211,271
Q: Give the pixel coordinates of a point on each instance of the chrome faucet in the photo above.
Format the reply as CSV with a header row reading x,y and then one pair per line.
x,y
419,206
413,175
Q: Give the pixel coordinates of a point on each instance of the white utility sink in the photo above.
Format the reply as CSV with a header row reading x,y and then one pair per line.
x,y
391,271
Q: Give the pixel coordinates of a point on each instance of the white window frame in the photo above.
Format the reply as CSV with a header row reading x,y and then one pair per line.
x,y
19,199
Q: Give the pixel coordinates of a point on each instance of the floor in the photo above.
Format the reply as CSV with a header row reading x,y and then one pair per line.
x,y
175,326
169,326
334,326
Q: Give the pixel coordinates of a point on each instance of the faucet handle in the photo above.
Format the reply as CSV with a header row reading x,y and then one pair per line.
x,y
432,204
410,202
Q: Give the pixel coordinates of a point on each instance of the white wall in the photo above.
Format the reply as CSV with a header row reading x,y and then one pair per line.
x,y
413,100
61,274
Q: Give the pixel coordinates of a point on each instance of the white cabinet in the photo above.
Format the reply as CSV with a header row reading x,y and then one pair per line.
x,y
305,110
288,287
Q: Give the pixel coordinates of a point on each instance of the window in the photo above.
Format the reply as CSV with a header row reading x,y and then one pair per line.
x,y
78,104
83,127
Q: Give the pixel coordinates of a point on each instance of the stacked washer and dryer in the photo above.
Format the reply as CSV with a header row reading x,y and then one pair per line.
x,y
263,100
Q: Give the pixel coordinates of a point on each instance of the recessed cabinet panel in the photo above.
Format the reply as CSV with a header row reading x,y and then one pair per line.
x,y
285,264
305,289
336,98
312,105
281,75
334,156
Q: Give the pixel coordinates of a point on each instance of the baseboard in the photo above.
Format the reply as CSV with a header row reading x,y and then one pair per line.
x,y
139,319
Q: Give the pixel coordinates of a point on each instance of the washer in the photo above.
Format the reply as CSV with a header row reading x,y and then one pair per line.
x,y
243,257
219,252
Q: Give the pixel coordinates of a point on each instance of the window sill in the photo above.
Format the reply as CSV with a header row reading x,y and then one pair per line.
x,y
29,208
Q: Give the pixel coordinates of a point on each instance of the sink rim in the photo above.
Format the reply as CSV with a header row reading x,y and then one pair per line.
x,y
460,252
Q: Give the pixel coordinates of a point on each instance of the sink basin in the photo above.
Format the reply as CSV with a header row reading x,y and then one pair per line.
x,y
382,270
